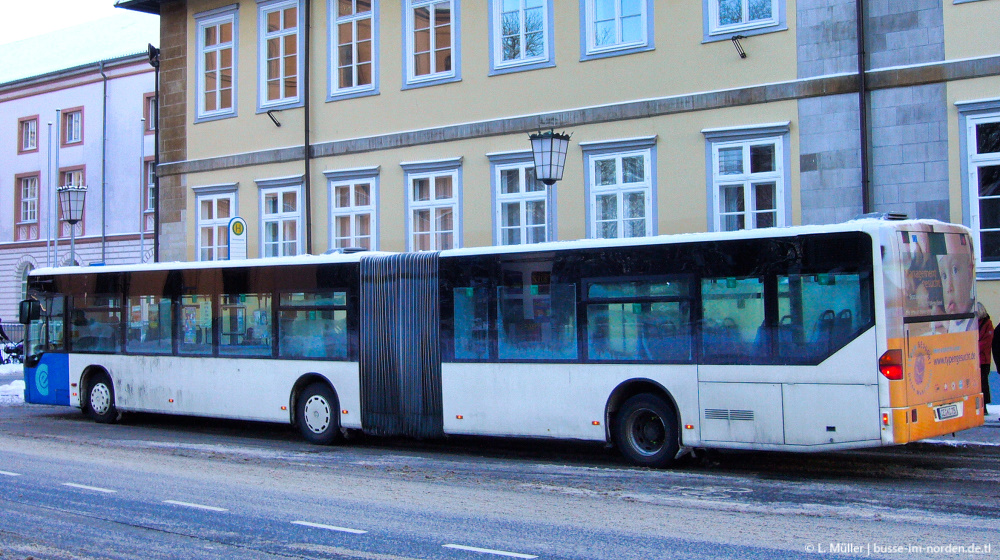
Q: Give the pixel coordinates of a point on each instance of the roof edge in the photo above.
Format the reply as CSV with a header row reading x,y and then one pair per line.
x,y
123,60
145,6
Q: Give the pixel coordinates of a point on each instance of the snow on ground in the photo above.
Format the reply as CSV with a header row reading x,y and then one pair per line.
x,y
13,391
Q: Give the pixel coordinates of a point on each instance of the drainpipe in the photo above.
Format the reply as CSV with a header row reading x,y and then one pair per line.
x,y
48,201
104,167
866,194
52,196
307,185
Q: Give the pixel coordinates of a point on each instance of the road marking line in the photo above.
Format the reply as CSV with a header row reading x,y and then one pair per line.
x,y
329,527
489,551
5,473
195,506
92,488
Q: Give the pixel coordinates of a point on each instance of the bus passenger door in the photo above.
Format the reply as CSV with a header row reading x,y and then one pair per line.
x,y
46,368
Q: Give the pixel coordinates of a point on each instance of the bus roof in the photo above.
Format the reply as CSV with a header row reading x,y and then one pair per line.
x,y
865,224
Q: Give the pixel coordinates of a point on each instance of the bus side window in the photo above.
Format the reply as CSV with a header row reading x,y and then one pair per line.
x,y
537,322
246,325
472,323
733,311
313,325
820,314
632,325
95,323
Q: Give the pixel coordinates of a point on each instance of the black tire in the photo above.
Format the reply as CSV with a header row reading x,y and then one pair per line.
x,y
645,431
318,414
101,399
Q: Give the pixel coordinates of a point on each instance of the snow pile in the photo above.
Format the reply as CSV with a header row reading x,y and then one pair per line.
x,y
12,393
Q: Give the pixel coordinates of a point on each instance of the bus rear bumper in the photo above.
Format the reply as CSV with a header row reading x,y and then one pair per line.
x,y
922,421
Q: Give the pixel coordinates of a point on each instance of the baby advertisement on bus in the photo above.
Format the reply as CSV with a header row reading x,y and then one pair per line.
x,y
939,282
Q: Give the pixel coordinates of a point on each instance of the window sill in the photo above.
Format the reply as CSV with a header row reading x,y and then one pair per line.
x,y
431,82
619,51
212,117
745,32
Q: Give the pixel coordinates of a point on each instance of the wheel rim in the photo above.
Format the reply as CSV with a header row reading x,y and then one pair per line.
x,y
647,432
316,414
100,399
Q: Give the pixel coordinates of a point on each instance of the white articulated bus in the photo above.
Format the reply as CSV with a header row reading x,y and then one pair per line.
x,y
805,338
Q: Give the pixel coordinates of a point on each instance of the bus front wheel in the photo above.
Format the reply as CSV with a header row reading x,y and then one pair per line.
x,y
101,400
318,414
646,431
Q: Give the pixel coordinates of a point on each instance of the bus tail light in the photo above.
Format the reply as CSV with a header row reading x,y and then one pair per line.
x,y
885,418
891,364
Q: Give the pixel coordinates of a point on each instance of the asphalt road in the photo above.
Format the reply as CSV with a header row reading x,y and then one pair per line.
x,y
164,487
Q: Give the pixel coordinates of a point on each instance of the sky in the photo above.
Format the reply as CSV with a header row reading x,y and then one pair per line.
x,y
52,35
26,18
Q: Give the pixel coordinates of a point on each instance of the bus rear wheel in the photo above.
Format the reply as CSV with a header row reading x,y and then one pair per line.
x,y
101,400
646,431
318,414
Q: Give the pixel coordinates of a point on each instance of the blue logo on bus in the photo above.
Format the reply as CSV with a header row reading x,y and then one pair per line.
x,y
42,380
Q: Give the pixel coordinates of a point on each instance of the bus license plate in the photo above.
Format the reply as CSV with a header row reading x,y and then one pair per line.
x,y
946,412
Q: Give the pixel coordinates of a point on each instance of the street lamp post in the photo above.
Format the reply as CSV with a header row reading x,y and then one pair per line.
x,y
71,199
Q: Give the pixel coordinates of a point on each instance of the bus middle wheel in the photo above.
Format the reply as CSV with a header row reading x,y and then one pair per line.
x,y
318,414
646,431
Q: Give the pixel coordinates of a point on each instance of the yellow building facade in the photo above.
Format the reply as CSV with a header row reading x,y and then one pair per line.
x,y
403,125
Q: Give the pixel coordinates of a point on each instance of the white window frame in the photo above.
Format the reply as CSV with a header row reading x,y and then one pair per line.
x,y
28,135
716,32
431,171
497,64
280,187
73,127
409,66
337,92
214,194
522,163
619,189
972,162
748,180
588,28
27,212
351,178
215,18
263,9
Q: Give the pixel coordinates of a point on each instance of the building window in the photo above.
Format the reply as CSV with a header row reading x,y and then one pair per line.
x,y
25,271
982,145
738,15
521,202
280,45
747,178
149,112
747,171
725,18
72,126
149,195
280,221
27,135
520,35
433,219
216,206
26,226
353,196
621,190
216,63
71,177
354,37
615,27
431,42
